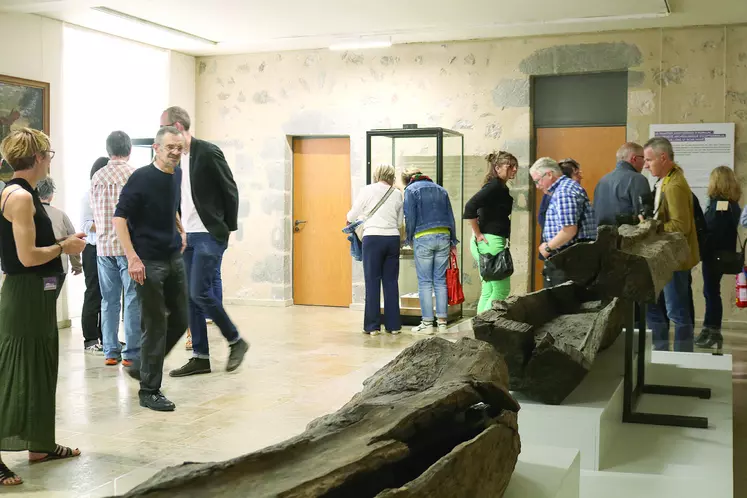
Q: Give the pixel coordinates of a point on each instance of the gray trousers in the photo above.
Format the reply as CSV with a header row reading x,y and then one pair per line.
x,y
164,304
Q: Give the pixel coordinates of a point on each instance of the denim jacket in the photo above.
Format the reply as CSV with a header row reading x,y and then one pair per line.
x,y
427,206
356,245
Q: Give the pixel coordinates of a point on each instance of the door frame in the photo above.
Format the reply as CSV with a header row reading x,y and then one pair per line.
x,y
290,139
533,154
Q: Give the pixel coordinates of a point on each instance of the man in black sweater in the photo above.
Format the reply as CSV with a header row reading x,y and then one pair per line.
x,y
149,229
209,212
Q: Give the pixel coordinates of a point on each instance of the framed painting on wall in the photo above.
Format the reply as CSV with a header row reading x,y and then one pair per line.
x,y
23,103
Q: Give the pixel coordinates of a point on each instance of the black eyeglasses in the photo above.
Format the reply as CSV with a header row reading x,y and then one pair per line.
x,y
51,153
536,182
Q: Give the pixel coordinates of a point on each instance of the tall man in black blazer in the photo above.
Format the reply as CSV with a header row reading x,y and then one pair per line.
x,y
209,211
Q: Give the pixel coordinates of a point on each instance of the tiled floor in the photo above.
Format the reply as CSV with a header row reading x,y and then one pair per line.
x,y
304,362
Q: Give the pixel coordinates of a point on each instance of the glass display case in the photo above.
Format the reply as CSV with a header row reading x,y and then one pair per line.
x,y
142,152
439,154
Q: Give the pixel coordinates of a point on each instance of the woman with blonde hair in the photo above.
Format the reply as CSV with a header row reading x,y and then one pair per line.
x,y
722,219
381,206
29,345
489,213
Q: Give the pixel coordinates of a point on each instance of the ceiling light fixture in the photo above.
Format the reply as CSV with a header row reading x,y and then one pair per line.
x,y
145,22
360,44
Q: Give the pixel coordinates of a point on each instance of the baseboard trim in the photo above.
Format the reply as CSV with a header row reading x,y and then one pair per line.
x,y
358,307
727,324
64,324
265,303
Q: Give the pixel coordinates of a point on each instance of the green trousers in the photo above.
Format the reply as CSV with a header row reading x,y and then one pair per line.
x,y
491,291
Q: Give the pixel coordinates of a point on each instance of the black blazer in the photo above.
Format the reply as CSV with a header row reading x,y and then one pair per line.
x,y
214,190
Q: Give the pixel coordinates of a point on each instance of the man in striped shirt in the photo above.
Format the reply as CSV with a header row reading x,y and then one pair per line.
x,y
106,186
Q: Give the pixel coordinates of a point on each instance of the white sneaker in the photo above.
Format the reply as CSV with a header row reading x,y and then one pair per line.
x,y
425,328
442,327
94,349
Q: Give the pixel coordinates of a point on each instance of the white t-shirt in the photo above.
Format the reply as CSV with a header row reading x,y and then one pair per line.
x,y
387,219
190,218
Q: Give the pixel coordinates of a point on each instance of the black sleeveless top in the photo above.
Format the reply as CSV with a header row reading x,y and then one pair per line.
x,y
44,237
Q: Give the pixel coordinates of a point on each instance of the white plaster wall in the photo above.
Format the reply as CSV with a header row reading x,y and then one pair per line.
x,y
31,48
182,83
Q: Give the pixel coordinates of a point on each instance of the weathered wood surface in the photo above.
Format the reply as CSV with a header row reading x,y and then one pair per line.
x,y
550,338
629,262
437,421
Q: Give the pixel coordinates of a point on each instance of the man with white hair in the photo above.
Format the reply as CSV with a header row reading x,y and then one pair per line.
x,y
569,219
618,195
63,227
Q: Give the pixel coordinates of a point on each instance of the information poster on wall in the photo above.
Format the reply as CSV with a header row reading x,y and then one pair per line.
x,y
698,149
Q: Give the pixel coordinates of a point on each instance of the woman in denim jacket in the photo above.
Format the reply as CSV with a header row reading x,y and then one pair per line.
x,y
431,230
722,219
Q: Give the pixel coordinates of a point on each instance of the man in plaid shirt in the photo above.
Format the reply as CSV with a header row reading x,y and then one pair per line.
x,y
569,218
106,186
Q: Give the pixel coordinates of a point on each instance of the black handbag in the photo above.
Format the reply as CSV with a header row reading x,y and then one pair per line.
x,y
498,267
730,262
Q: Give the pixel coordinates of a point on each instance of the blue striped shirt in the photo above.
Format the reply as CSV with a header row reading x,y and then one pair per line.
x,y
569,206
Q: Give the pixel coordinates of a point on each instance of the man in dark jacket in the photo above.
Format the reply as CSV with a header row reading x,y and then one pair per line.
x,y
617,197
209,212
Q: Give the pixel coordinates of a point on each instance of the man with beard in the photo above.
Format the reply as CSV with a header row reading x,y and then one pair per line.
x,y
150,231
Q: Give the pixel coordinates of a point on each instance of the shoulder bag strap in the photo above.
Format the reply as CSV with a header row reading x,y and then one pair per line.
x,y
382,201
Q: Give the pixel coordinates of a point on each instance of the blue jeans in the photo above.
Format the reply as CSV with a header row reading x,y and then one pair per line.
x,y
431,262
677,309
113,277
202,259
381,266
217,284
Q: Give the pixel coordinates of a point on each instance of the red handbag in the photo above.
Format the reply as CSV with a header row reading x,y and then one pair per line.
x,y
453,283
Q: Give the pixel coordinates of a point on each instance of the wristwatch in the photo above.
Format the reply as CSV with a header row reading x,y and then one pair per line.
x,y
547,247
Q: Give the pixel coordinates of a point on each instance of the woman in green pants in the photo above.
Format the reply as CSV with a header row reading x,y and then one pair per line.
x,y
489,213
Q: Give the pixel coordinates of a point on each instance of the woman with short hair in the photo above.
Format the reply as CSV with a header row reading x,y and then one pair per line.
x,y
381,243
489,213
29,345
722,219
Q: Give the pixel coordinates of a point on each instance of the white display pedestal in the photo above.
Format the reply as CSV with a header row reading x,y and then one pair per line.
x,y
546,472
589,418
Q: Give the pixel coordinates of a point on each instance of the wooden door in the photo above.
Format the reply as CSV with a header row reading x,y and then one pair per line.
x,y
322,268
593,147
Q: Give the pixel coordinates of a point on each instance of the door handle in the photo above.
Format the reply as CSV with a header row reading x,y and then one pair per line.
x,y
298,224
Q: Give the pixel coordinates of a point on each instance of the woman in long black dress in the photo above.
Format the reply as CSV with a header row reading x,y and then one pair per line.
x,y
29,344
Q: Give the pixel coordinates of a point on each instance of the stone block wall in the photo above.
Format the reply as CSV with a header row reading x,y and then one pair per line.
x,y
251,104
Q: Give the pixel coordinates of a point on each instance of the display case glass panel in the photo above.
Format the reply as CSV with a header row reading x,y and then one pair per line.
x,y
439,154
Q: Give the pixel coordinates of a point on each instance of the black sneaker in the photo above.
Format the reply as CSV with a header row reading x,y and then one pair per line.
x,y
193,367
156,401
236,356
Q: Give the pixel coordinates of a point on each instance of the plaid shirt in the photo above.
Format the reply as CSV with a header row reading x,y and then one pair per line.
x,y
569,206
106,186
